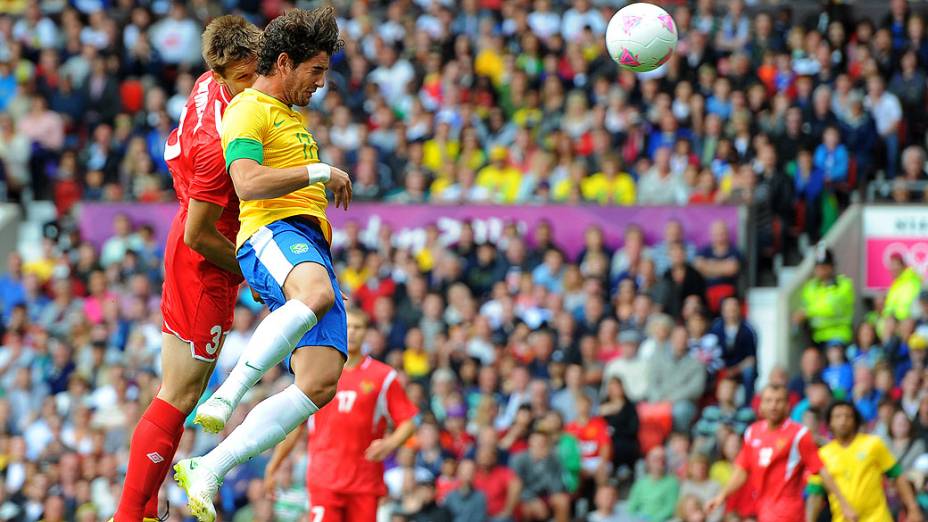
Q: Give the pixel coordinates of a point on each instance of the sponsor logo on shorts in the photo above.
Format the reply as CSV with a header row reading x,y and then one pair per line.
x,y
299,248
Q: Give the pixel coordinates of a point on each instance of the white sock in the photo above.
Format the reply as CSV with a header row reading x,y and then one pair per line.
x,y
274,338
266,425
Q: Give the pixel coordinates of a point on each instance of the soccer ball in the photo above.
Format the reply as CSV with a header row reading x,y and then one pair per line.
x,y
641,37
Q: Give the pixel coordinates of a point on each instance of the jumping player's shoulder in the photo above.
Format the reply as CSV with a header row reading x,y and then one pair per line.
x,y
250,100
207,101
246,111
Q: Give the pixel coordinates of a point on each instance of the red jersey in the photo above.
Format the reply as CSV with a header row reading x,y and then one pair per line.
x,y
194,155
494,484
369,397
198,297
592,436
777,462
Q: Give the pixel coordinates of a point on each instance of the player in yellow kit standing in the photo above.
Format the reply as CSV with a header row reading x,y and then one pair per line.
x,y
858,462
282,248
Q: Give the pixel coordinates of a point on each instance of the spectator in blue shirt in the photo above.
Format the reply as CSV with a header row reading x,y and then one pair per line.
x,y
838,374
720,101
673,233
864,394
666,135
809,183
739,345
550,273
8,85
818,397
12,291
867,349
831,157
720,264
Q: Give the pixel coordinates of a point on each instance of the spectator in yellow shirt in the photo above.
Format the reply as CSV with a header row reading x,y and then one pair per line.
x,y
572,184
499,177
611,186
445,177
355,273
472,155
442,150
43,268
489,61
416,362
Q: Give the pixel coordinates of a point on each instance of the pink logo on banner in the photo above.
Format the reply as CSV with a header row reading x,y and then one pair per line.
x,y
880,250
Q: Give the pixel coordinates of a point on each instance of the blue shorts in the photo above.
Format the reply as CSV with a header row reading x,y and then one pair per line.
x,y
267,259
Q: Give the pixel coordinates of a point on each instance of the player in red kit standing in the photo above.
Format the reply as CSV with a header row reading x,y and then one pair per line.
x,y
202,275
776,457
347,443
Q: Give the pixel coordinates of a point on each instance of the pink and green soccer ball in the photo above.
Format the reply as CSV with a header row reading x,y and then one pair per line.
x,y
641,37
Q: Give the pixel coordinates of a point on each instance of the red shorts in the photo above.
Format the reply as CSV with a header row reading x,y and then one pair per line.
x,y
331,506
198,298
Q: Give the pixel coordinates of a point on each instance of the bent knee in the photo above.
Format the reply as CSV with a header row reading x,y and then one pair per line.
x,y
310,284
320,391
320,299
184,399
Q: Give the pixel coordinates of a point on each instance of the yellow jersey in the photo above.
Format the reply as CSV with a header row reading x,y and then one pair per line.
x,y
618,190
858,470
416,363
504,183
262,128
436,156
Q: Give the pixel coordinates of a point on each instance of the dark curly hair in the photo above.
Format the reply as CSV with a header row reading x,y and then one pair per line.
x,y
858,418
301,34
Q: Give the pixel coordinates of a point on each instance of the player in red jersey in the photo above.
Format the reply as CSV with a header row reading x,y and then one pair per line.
x,y
202,275
347,443
776,457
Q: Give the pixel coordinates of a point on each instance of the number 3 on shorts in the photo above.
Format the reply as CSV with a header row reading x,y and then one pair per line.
x,y
213,346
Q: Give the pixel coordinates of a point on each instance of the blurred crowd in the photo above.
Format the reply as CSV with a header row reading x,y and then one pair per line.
x,y
627,371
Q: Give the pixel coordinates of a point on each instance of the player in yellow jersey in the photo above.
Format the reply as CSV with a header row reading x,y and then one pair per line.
x,y
858,462
283,251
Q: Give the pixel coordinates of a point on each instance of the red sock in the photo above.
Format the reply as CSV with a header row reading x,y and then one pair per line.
x,y
151,508
150,454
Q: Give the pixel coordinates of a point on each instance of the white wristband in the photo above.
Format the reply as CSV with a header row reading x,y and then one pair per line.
x,y
318,173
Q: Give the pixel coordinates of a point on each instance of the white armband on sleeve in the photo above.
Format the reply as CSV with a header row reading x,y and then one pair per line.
x,y
318,173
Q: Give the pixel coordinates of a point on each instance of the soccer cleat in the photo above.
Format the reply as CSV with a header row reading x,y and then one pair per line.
x,y
201,485
213,414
